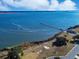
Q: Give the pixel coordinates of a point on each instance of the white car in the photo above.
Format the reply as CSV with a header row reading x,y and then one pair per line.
x,y
76,56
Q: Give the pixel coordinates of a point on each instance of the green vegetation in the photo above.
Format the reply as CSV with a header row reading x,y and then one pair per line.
x,y
19,50
13,54
60,41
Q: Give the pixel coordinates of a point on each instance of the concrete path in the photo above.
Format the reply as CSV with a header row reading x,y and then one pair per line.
x,y
71,54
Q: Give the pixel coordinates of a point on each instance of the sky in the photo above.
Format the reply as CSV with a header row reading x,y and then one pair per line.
x,y
39,5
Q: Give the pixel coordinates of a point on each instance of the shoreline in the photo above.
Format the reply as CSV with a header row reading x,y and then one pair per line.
x,y
42,41
34,47
35,42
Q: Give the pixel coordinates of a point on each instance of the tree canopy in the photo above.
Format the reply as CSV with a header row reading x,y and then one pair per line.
x,y
60,41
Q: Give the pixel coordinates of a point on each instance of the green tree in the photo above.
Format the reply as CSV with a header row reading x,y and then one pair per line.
x,y
13,54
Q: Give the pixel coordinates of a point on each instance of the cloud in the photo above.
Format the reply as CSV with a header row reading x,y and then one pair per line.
x,y
29,4
36,5
54,5
63,6
67,5
3,8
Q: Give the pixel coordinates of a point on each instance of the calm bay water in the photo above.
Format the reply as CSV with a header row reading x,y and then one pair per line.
x,y
25,26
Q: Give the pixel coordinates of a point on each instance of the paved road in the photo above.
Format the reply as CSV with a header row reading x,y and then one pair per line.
x,y
71,54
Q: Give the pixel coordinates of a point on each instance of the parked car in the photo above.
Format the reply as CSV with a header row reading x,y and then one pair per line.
x,y
76,56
